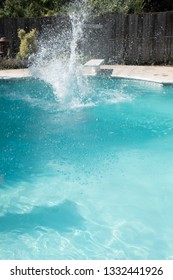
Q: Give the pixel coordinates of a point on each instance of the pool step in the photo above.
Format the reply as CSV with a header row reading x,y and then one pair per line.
x,y
92,67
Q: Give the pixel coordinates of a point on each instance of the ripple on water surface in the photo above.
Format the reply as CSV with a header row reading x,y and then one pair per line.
x,y
89,177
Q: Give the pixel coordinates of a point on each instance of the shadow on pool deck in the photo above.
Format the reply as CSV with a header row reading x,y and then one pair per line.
x,y
62,218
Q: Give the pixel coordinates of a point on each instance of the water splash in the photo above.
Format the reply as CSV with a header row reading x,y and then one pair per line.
x,y
58,59
58,63
78,16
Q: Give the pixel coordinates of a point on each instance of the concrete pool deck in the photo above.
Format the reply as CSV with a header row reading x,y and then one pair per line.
x,y
158,74
15,73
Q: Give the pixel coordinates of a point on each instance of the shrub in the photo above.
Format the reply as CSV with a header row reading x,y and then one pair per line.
x,y
28,43
13,63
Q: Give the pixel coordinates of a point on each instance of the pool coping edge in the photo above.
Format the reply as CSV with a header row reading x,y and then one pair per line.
x,y
145,73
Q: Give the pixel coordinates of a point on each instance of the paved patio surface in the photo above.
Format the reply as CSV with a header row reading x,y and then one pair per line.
x,y
15,73
159,74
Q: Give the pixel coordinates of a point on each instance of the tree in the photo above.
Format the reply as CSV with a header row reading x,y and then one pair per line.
x,y
34,8
105,6
118,6
134,6
158,6
13,8
31,8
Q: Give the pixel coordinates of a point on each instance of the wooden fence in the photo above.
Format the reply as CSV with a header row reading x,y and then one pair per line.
x,y
145,38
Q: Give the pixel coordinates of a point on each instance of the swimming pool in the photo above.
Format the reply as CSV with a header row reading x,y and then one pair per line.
x,y
87,178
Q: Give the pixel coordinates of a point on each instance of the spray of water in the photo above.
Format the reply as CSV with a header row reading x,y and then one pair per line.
x,y
58,58
57,62
78,16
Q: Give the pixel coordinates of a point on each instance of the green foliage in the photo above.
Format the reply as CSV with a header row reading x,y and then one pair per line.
x,y
157,6
28,44
29,8
118,6
106,6
21,34
13,63
35,8
134,6
13,8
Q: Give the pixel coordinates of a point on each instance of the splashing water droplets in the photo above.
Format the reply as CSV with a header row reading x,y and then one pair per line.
x,y
77,20
57,60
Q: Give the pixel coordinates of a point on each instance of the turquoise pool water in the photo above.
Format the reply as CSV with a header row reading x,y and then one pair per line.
x,y
89,177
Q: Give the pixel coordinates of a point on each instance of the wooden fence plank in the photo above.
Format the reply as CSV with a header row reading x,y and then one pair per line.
x,y
119,38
